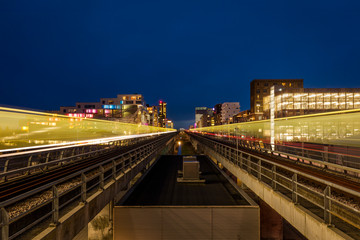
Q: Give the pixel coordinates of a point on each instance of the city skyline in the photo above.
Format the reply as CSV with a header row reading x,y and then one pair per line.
x,y
188,54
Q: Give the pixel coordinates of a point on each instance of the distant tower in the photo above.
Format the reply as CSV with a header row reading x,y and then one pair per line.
x,y
162,113
162,106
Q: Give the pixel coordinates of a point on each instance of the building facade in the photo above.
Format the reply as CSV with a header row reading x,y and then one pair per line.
x,y
162,113
217,114
129,108
199,112
300,101
260,88
228,110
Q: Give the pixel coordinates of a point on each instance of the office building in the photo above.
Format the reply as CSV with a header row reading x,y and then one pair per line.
x,y
300,101
162,113
228,110
260,88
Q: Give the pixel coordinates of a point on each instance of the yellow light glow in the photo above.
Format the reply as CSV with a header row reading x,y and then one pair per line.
x,y
338,128
13,123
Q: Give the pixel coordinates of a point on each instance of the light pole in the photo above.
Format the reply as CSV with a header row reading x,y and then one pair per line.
x,y
237,144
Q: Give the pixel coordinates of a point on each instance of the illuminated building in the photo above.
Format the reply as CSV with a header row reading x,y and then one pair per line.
x,y
125,108
204,117
162,110
260,88
217,114
169,124
162,113
199,112
243,116
228,110
153,115
300,101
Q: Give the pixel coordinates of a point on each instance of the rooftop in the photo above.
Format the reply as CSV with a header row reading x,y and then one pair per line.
x,y
160,188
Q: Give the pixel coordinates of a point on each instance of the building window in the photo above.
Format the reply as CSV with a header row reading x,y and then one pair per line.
x,y
64,110
257,90
264,90
284,84
103,102
266,84
79,106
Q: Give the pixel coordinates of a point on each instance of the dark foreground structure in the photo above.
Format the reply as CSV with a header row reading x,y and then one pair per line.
x,y
159,207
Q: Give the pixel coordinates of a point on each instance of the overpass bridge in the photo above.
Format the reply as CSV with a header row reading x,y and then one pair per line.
x,y
58,172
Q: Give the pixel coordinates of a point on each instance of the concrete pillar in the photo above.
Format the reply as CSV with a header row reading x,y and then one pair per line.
x,y
271,223
111,215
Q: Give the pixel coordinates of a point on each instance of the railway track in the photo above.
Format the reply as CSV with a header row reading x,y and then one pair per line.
x,y
332,197
341,180
19,186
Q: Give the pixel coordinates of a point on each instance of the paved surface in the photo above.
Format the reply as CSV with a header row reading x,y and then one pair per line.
x,y
160,188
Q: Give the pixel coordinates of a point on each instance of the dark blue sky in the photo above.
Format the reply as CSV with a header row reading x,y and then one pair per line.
x,y
188,53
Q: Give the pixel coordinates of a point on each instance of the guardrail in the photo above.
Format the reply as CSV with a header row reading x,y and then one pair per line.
x,y
326,196
75,188
339,162
32,161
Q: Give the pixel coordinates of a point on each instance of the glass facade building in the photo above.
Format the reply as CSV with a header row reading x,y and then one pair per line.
x,y
300,101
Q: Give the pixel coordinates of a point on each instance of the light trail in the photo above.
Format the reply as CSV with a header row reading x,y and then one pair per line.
x,y
27,130
52,147
341,128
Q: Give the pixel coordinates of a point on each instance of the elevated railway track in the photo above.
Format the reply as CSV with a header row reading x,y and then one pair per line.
x,y
332,196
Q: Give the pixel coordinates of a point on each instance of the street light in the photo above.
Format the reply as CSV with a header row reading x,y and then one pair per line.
x,y
237,144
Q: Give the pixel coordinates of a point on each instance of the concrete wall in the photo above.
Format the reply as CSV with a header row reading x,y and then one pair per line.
x,y
187,222
309,225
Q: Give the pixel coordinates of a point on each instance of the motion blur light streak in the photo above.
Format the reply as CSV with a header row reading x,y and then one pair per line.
x,y
336,128
23,128
70,144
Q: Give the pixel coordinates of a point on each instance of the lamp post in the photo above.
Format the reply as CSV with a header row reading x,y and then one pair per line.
x,y
237,144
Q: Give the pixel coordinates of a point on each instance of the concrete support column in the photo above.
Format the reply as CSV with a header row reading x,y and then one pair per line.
x,y
111,215
271,223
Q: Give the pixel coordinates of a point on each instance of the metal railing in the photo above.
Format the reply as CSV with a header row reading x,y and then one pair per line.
x,y
13,165
52,197
325,199
323,158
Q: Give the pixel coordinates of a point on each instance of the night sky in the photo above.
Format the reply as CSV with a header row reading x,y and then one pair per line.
x,y
188,53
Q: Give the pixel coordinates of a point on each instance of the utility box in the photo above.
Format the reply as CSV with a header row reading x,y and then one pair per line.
x,y
191,168
191,171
